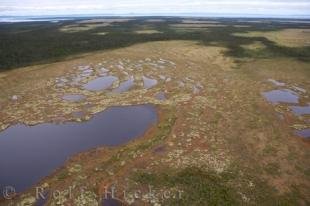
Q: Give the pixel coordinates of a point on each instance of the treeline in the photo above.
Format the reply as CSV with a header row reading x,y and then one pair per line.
x,y
23,44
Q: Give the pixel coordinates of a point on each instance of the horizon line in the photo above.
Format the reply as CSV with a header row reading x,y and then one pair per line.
x,y
181,14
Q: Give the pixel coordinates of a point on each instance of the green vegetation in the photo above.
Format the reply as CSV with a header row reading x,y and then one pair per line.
x,y
201,187
24,44
198,187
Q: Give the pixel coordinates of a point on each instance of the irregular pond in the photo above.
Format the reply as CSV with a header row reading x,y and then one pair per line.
x,y
29,153
111,202
87,72
305,133
148,82
76,80
160,96
125,86
300,110
100,83
73,97
281,96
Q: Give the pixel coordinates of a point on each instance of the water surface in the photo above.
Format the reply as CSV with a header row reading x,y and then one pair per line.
x,y
125,86
148,82
73,97
111,202
29,153
305,133
100,83
160,96
300,110
281,96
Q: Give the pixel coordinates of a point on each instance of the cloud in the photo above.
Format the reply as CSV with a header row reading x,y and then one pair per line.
x,y
36,7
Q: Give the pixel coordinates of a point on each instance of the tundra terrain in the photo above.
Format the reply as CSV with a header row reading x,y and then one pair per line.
x,y
231,95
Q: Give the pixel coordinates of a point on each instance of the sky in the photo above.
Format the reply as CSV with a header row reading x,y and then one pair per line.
x,y
159,7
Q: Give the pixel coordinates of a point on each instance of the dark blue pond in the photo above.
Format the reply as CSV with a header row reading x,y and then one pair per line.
x,y
29,153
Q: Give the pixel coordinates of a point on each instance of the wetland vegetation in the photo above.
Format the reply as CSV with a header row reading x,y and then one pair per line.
x,y
231,99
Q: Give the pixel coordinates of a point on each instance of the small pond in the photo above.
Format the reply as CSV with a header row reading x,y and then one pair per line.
x,y
100,83
148,82
73,97
301,110
281,96
125,86
305,133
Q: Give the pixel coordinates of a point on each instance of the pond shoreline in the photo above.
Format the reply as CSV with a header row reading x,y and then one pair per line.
x,y
102,146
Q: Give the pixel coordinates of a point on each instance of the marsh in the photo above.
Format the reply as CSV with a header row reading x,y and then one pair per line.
x,y
189,104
